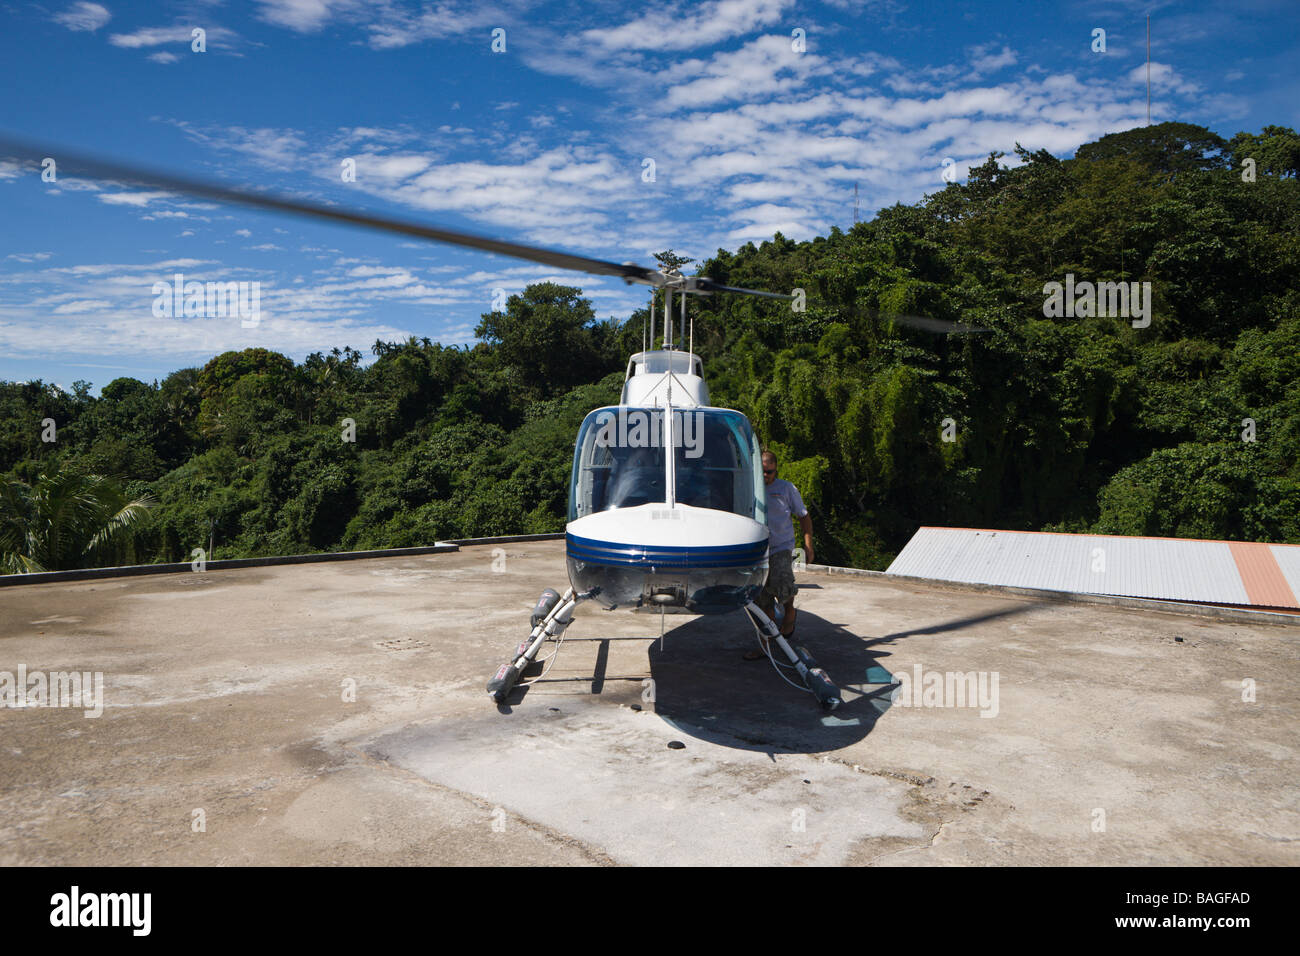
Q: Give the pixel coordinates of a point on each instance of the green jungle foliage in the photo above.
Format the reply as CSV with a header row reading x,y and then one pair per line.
x,y
1056,423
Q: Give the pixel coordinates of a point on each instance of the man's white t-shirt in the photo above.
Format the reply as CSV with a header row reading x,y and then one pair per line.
x,y
782,501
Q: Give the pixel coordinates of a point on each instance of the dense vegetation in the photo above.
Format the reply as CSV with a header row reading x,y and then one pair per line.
x,y
1072,424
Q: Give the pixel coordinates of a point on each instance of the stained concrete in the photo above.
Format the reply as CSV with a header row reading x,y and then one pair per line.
x,y
1113,742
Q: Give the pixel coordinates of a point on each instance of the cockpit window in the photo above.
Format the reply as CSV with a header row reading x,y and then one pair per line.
x,y
619,462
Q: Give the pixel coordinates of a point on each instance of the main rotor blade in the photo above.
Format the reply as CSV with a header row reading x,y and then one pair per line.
x,y
703,284
940,326
74,163
922,322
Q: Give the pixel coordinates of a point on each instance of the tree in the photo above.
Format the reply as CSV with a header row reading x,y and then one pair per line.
x,y
63,521
1168,148
670,261
1276,151
545,339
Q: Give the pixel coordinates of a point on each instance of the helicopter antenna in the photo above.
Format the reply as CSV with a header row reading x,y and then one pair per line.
x,y
652,319
683,328
691,349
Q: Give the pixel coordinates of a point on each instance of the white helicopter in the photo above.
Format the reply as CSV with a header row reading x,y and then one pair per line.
x,y
667,504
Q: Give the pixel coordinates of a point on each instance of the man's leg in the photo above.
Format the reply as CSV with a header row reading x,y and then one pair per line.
x,y
781,577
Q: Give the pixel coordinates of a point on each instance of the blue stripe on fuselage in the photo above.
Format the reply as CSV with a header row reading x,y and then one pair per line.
x,y
616,555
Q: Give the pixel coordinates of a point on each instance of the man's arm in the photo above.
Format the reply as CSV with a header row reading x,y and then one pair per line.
x,y
806,523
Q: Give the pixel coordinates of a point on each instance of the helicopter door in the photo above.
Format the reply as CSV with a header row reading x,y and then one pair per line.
x,y
716,463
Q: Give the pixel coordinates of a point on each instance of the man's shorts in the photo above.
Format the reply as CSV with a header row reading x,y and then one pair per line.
x,y
780,577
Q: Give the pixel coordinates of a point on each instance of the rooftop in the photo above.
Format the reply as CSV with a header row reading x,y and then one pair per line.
x,y
1116,735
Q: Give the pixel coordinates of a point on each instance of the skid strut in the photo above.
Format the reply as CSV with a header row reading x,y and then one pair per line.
x,y
551,616
813,676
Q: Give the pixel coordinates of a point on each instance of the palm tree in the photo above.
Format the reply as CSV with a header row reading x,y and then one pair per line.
x,y
63,521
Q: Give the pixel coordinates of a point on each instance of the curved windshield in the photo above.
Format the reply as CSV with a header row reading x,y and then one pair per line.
x,y
619,462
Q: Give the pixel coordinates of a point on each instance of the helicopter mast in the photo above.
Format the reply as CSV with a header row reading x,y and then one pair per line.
x,y
683,325
668,317
670,483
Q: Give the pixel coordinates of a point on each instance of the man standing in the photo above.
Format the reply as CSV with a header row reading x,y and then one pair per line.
x,y
783,500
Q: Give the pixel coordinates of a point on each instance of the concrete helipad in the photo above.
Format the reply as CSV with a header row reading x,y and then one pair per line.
x,y
336,713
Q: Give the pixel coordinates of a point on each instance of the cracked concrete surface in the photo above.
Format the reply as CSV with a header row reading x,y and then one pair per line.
x,y
228,702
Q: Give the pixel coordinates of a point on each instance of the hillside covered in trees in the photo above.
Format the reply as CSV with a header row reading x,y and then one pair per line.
x,y
1187,427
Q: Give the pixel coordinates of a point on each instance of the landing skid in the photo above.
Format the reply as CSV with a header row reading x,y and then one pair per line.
x,y
554,613
814,678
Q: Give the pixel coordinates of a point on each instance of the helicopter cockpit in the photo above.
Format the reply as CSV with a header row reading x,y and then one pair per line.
x,y
620,462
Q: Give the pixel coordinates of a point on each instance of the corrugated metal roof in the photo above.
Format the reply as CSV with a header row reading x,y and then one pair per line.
x,y
1175,569
1288,562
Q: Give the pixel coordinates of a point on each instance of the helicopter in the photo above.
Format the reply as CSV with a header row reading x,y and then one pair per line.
x,y
667,504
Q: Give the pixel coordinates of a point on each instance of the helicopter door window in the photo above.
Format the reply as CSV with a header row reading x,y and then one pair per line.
x,y
716,463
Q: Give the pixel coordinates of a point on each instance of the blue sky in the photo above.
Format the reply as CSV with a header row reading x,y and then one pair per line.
x,y
544,142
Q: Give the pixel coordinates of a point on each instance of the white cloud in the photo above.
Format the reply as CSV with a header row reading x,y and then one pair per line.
x,y
305,16
985,62
179,34
390,168
107,310
151,36
82,305
274,148
367,271
1163,77
84,17
395,27
705,25
760,68
139,199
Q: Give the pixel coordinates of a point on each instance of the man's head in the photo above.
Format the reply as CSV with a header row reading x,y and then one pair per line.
x,y
769,467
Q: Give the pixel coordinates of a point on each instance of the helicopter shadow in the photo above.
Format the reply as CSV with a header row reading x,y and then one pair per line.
x,y
705,688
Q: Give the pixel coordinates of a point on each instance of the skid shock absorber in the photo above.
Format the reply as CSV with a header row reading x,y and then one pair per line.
x,y
550,617
814,678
